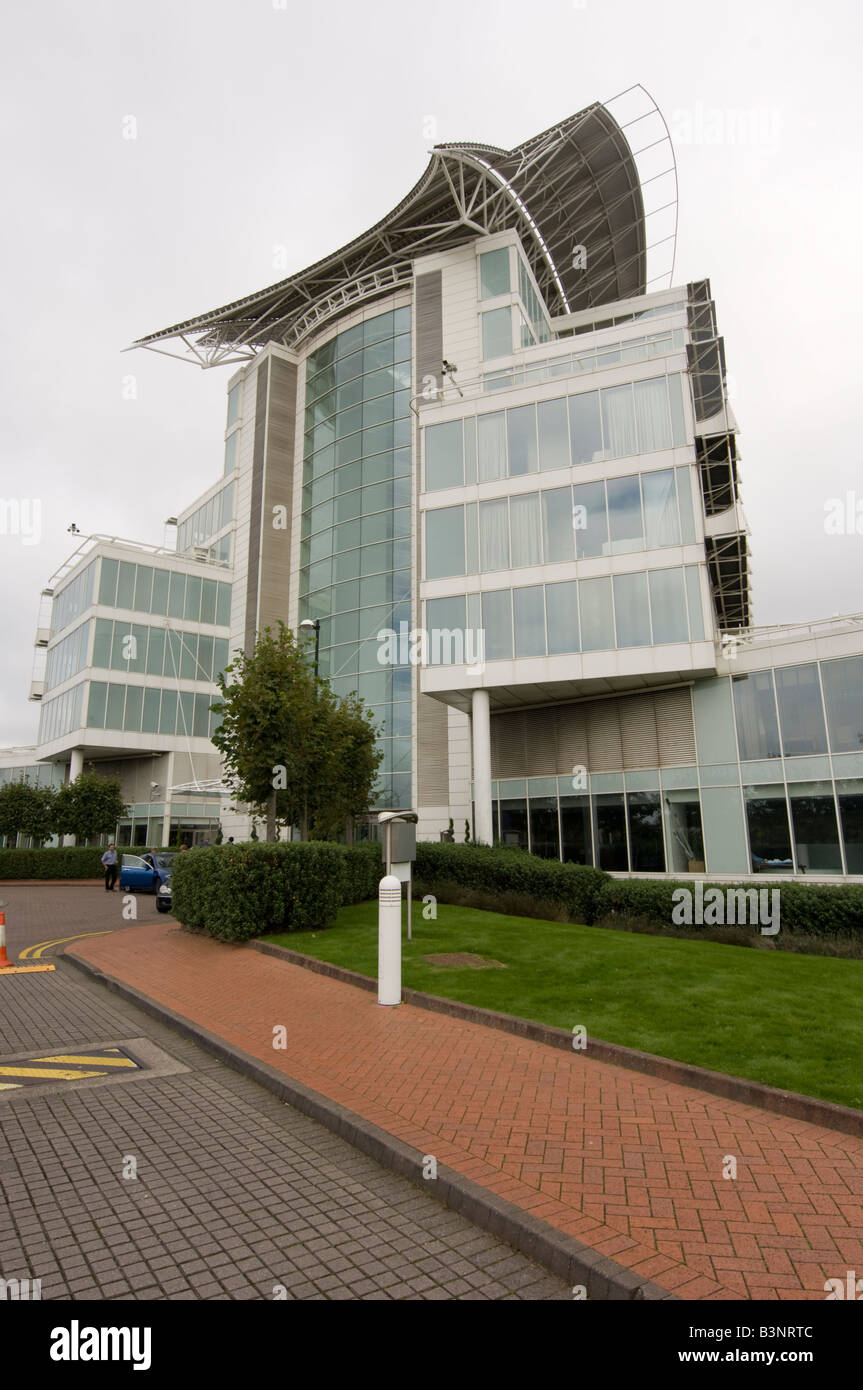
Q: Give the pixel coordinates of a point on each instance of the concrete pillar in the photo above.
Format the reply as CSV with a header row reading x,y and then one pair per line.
x,y
76,767
481,733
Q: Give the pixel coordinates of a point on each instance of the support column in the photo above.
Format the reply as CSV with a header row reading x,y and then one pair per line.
x,y
481,739
76,767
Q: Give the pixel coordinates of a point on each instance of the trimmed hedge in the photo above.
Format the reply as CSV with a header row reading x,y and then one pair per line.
x,y
73,861
235,892
574,887
813,908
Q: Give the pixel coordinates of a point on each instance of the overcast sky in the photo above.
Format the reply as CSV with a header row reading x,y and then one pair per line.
x,y
261,125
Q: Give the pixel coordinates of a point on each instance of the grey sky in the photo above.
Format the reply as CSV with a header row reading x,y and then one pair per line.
x,y
261,127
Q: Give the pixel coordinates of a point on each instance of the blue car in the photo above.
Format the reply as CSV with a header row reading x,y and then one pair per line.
x,y
148,873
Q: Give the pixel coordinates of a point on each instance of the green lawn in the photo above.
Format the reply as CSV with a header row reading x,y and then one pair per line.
x,y
787,1020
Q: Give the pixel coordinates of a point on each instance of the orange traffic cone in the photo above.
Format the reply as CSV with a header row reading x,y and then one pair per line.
x,y
4,959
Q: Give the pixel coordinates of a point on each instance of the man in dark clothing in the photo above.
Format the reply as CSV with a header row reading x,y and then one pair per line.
x,y
109,861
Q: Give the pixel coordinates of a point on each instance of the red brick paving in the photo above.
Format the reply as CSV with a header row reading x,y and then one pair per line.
x,y
627,1164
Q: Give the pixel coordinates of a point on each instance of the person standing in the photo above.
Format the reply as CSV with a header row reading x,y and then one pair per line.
x,y
109,862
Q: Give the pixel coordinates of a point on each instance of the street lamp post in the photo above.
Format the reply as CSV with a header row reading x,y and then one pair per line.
x,y
315,626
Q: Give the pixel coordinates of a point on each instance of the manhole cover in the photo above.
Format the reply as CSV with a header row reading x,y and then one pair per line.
x,y
465,959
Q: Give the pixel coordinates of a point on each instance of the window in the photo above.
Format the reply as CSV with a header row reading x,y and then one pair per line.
x,y
585,430
801,717
849,794
553,435
529,622
610,831
575,830
561,604
813,821
234,403
769,837
843,694
445,542
497,333
491,446
521,439
544,831
494,535
590,520
661,526
644,819
494,276
444,459
668,606
557,525
651,415
631,610
525,530
624,514
597,621
755,712
497,622
618,422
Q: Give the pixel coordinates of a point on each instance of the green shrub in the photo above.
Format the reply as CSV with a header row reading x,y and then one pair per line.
x,y
511,874
362,871
73,861
235,892
813,908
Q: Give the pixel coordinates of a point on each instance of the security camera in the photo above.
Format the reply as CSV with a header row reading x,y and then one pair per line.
x,y
153,786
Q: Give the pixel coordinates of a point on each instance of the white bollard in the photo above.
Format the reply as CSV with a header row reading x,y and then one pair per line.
x,y
389,940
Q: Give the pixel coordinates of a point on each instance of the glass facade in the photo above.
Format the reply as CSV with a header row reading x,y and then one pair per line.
x,y
647,511
577,615
62,714
170,593
158,651
356,524
636,418
67,657
73,600
149,710
207,521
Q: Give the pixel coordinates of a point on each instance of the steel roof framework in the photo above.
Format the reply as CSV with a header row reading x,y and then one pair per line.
x,y
576,184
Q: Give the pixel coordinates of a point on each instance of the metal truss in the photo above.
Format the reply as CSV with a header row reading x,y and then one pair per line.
x,y
574,185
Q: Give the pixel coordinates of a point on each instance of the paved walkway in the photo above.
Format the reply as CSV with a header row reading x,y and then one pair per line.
x,y
629,1165
235,1195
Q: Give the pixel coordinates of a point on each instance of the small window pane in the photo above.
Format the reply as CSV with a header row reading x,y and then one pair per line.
x,y
561,607
494,277
529,621
624,514
491,442
553,435
661,526
801,716
524,529
843,692
558,521
126,585
769,836
192,608
134,702
521,440
497,622
494,536
444,542
755,712
590,520
208,601
651,415
96,705
585,431
597,620
497,333
176,598
444,459
631,613
618,422
108,582
143,588
668,606
159,600
168,715
150,715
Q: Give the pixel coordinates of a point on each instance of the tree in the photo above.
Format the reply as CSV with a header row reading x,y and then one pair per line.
x,y
299,755
90,805
27,810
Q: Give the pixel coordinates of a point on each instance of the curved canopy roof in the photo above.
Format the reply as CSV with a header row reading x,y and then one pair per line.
x,y
574,185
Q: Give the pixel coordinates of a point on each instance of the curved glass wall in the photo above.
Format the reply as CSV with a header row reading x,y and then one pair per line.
x,y
356,525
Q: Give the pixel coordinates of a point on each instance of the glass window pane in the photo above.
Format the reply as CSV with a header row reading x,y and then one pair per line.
x,y
201,725
132,714
108,582
610,831
798,694
96,705
590,520
521,439
585,431
494,277
544,831
624,514
558,519
150,716
159,600
575,829
553,435
114,711
494,535
223,605
816,834
561,604
769,837
675,401
176,597
850,797
684,500
646,848
143,588
755,712
668,606
497,333
597,621
102,643
192,607
843,693
618,422
661,526
513,822
651,415
188,656
126,585
444,462
444,542
693,603
168,715
685,836
497,622
491,443
445,622
630,610
208,601
529,621
524,529
156,652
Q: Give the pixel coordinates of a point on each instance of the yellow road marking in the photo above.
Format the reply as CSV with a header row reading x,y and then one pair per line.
x,y
34,952
25,969
117,1061
10,1086
52,1074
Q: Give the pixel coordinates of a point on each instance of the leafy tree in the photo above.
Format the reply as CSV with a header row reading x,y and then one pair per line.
x,y
219,835
90,805
299,755
27,810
